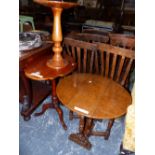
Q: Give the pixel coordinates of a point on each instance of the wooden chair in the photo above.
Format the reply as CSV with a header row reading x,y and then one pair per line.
x,y
124,41
115,62
103,59
100,58
87,64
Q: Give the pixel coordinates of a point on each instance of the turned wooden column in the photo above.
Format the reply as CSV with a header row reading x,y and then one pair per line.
x,y
57,61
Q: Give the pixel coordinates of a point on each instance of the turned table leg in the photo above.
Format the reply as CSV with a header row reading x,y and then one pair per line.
x,y
110,124
70,115
88,127
54,105
81,138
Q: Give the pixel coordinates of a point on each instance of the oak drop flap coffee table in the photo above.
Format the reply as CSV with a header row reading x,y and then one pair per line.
x,y
92,97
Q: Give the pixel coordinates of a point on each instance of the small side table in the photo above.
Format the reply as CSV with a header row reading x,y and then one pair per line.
x,y
49,68
92,97
38,70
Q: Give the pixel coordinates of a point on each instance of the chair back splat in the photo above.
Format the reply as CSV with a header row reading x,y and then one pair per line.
x,y
116,62
82,52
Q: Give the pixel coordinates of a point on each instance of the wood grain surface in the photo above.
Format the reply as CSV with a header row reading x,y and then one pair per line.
x,y
93,96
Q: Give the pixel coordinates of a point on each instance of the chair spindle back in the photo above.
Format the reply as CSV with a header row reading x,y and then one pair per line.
x,y
100,58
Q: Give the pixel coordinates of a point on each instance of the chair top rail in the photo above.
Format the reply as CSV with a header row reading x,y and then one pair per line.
x,y
101,47
116,50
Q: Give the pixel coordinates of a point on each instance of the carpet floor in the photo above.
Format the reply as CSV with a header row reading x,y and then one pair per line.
x,y
44,135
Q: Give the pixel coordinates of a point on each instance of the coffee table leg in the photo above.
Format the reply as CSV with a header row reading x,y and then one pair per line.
x,y
107,132
70,115
81,138
88,127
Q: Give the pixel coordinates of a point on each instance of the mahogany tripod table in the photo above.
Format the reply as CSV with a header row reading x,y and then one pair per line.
x,y
49,68
92,97
38,70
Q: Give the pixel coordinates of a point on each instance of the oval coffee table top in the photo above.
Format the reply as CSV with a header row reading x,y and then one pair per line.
x,y
93,96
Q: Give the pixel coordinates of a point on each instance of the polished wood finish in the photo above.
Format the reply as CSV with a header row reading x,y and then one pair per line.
x,y
27,87
91,92
92,97
57,61
99,58
38,70
46,68
109,61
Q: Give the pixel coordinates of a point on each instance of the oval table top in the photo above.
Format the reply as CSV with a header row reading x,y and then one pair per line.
x,y
93,96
